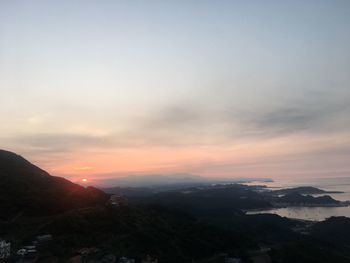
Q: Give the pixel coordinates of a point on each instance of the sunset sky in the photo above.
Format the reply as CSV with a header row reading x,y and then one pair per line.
x,y
100,89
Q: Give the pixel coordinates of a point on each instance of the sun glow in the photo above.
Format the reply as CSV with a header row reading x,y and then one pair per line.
x,y
84,180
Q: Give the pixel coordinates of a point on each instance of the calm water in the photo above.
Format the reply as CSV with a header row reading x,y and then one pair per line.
x,y
313,213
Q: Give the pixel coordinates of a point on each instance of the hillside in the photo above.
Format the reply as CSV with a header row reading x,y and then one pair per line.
x,y
192,224
27,189
334,229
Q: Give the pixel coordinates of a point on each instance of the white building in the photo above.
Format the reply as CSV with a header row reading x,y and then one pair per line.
x,y
5,249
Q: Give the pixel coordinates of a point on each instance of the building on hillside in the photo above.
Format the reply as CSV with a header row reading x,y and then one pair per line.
x,y
5,249
21,252
27,251
149,259
117,200
88,251
44,238
126,260
233,260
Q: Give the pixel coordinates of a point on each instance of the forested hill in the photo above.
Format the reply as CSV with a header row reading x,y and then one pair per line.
x,y
27,189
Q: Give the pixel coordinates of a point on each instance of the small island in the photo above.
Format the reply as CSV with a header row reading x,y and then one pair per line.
x,y
303,190
306,196
295,199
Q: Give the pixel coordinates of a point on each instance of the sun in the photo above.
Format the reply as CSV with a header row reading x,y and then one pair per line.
x,y
84,180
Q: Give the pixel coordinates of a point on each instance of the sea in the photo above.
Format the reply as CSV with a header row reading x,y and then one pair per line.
x,y
312,213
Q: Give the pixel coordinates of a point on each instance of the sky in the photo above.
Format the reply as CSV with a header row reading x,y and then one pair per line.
x,y
102,89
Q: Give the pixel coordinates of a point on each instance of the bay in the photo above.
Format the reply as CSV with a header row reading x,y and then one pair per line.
x,y
312,213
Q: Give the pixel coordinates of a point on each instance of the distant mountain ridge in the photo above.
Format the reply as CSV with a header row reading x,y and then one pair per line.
x,y
27,189
157,180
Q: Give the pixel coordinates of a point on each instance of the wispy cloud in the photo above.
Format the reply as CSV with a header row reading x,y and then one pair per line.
x,y
181,125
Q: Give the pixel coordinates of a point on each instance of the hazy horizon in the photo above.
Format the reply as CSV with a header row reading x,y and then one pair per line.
x,y
234,89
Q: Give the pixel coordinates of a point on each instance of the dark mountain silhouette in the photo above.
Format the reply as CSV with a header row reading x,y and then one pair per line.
x,y
27,189
334,230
